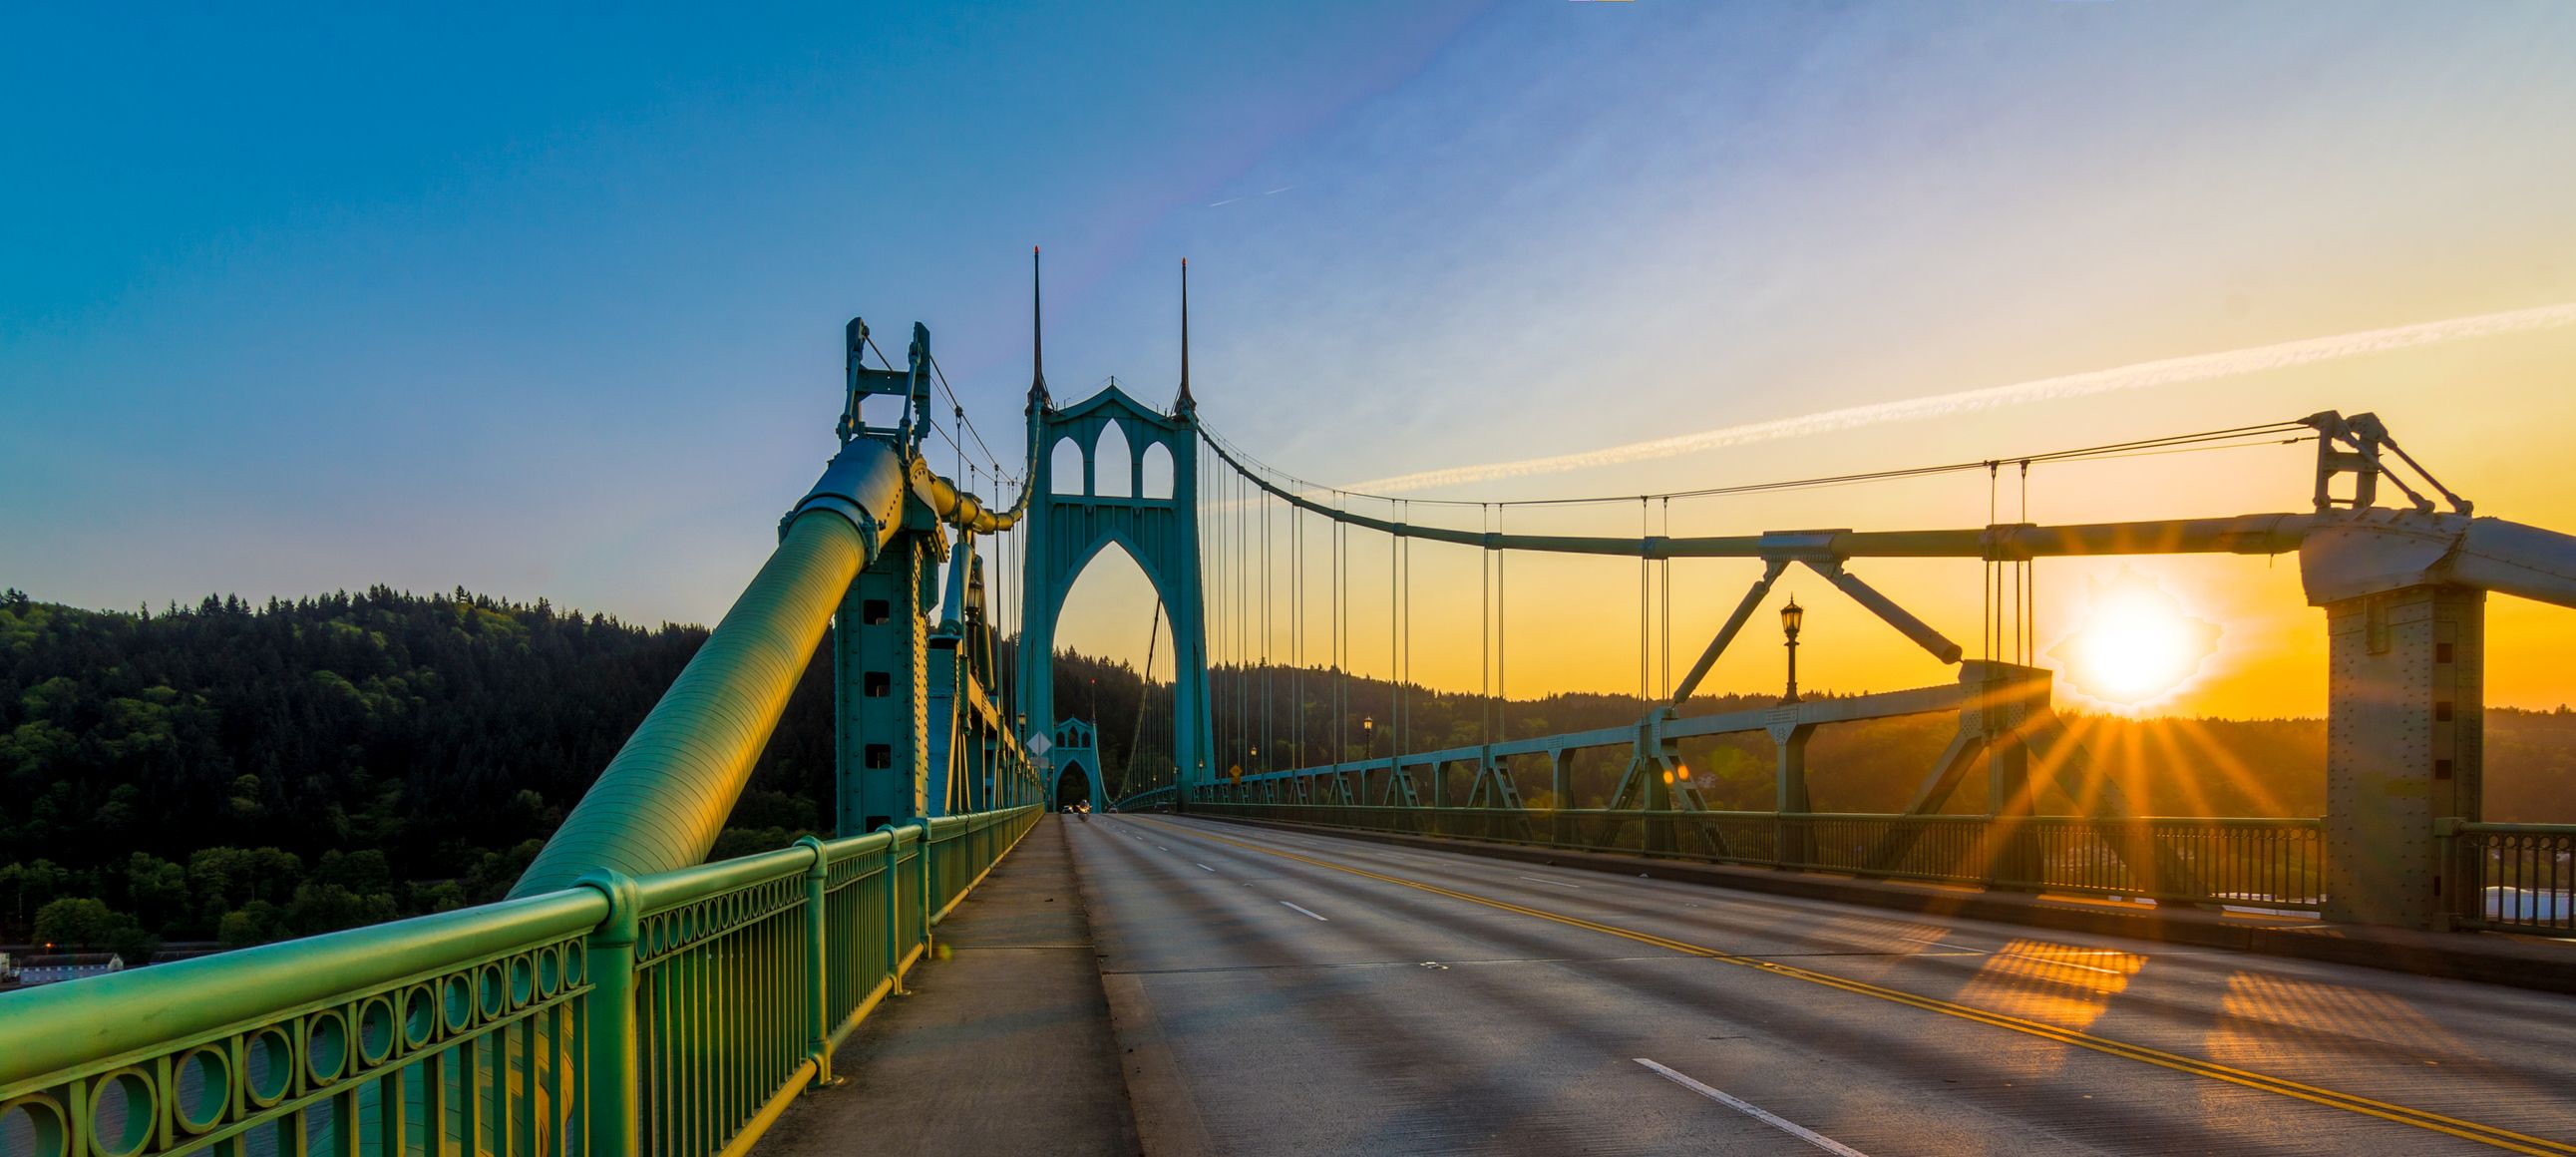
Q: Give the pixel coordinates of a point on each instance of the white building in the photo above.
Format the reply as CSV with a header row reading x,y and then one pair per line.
x,y
68,966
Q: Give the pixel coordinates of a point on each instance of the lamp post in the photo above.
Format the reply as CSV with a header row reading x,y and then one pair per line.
x,y
1791,617
1368,733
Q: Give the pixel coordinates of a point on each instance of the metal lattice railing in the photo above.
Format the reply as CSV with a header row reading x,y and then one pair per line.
x,y
2257,862
502,1028
2513,877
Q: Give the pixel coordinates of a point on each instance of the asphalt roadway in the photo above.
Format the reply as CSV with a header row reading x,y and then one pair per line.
x,y
1290,993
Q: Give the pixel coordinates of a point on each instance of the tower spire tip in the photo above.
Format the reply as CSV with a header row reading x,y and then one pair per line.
x,y
1038,399
1185,404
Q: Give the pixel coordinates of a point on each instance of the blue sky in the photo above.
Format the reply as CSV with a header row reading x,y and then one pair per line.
x,y
317,299
549,302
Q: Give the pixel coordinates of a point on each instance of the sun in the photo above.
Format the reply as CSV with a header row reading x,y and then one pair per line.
x,y
2137,643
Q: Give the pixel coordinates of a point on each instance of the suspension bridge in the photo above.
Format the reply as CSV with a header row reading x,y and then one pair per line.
x,y
1304,925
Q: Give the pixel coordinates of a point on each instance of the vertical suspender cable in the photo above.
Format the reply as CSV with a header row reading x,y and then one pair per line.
x,y
1405,730
1144,695
1664,583
1242,632
1991,629
1221,692
1341,640
1225,623
1645,593
1004,672
1204,695
1269,681
2018,641
1233,641
1233,548
2028,612
1225,628
1212,595
1243,618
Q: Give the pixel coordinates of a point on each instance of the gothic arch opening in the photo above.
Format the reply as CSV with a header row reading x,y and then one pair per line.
x,y
1115,472
1113,667
1072,786
1157,472
1064,467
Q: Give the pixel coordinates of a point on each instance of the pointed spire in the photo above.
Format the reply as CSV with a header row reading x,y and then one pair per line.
x,y
1185,404
1038,399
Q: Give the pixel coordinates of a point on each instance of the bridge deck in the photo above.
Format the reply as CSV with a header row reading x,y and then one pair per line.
x,y
1288,992
1005,1047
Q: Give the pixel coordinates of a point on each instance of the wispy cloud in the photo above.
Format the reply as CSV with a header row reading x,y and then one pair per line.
x,y
2142,375
1248,196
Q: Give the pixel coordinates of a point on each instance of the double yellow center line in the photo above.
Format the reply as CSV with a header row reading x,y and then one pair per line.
x,y
2349,1102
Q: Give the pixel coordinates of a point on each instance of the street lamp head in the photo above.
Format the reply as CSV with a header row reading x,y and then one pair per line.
x,y
1791,617
1368,724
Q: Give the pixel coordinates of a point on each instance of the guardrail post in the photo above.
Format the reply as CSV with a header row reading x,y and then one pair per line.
x,y
929,882
616,1094
893,877
1560,796
818,1015
1789,785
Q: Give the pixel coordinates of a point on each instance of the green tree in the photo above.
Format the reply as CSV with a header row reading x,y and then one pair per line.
x,y
157,891
256,922
82,922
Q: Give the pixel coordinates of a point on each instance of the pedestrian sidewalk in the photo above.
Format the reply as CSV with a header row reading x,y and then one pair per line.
x,y
1003,1045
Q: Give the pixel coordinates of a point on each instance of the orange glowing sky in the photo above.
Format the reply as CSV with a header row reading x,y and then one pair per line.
x,y
1574,621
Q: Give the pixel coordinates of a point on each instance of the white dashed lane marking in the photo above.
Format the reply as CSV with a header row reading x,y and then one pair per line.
x,y
1754,1111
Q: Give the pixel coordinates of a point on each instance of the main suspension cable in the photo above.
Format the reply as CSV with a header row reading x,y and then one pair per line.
x,y
2266,434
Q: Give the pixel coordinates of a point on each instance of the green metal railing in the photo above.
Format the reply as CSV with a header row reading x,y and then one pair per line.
x,y
2267,862
2512,877
676,1013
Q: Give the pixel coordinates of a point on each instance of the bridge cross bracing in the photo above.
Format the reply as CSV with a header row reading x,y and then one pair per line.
x,y
629,996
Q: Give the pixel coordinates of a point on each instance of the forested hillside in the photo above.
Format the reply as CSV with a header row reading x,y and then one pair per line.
x,y
242,772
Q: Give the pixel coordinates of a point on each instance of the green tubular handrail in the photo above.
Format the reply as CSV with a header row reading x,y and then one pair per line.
x,y
482,1029
105,1021
459,1027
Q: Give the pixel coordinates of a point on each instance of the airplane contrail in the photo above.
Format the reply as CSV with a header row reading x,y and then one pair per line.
x,y
2143,375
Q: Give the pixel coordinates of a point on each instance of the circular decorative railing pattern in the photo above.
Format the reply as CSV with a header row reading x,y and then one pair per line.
x,y
488,1045
440,1050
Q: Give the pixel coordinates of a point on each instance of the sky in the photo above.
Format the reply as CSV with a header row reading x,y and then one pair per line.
x,y
541,303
